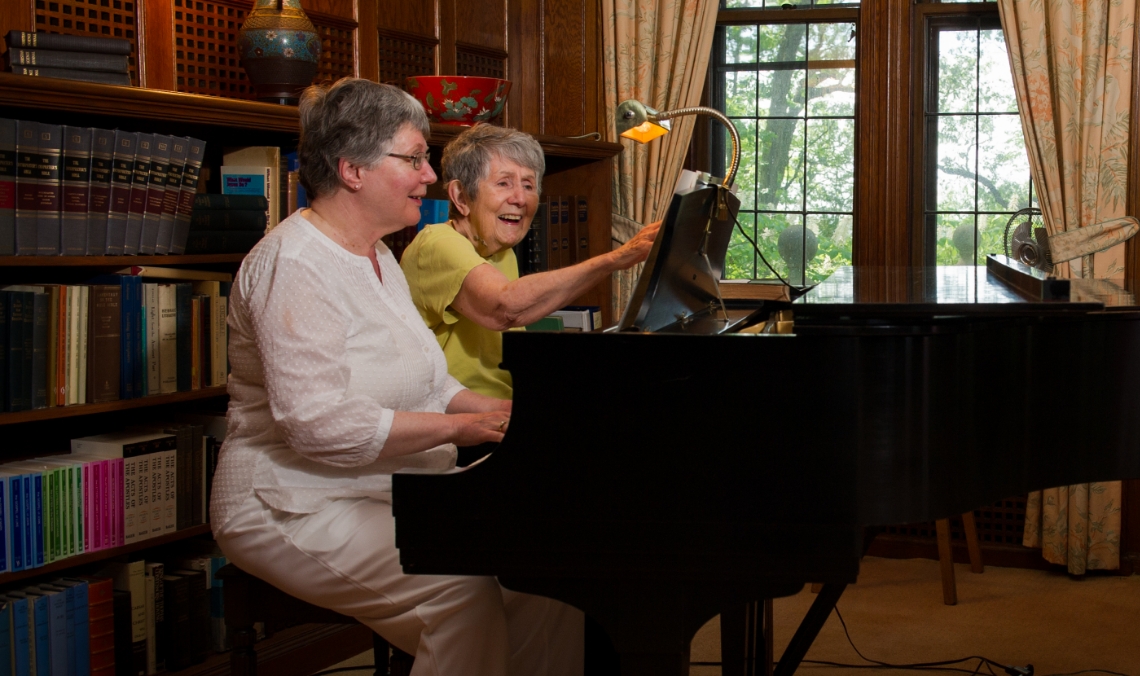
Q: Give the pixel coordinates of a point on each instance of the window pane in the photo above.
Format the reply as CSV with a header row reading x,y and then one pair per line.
x,y
782,43
739,44
740,94
831,41
746,172
955,237
957,71
957,144
1003,166
831,165
996,93
780,164
833,234
991,230
769,227
739,262
831,92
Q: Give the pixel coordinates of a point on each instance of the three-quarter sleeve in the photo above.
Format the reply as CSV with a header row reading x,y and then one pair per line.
x,y
300,324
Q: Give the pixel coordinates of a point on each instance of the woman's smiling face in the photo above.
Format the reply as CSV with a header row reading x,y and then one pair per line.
x,y
501,213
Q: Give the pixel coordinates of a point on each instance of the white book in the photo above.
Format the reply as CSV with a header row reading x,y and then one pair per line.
x,y
167,339
150,301
73,297
241,169
170,493
576,320
131,577
81,386
132,447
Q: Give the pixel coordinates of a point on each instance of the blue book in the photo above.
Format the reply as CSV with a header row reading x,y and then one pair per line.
x,y
68,593
431,212
5,637
82,624
37,516
57,630
5,528
20,636
39,623
15,518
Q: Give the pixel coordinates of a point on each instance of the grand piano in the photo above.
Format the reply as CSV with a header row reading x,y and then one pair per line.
x,y
658,475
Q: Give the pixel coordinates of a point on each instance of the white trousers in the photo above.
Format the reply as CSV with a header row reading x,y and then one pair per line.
x,y
344,558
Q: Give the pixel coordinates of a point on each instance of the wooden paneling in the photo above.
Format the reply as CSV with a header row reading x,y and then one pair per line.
x,y
418,18
340,8
565,82
525,65
17,15
482,24
156,45
882,153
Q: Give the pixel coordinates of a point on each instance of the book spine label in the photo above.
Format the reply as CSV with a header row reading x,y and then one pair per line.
x,y
27,185
7,187
49,190
76,189
122,176
139,185
99,192
155,193
171,195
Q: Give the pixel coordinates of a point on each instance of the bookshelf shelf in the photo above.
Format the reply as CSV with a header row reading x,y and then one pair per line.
x,y
150,104
103,554
59,412
116,261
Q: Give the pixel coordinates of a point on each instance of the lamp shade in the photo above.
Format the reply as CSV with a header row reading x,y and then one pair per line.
x,y
638,122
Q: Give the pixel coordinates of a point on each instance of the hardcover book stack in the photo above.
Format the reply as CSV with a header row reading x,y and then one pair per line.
x,y
226,223
68,57
84,191
119,337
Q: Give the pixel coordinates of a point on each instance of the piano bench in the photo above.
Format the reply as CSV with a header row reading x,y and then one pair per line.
x,y
946,555
248,600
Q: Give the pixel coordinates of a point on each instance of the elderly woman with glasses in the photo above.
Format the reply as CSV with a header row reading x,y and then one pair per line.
x,y
463,274
336,383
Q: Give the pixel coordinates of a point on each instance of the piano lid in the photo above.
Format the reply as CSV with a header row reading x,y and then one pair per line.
x,y
946,290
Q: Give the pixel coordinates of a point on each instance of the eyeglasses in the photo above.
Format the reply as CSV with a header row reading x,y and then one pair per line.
x,y
417,160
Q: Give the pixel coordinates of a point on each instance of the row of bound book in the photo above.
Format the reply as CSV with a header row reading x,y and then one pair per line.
x,y
111,490
69,57
137,618
227,223
83,191
559,235
117,338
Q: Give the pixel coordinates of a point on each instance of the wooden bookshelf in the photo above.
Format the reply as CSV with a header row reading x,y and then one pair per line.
x,y
117,261
59,412
57,567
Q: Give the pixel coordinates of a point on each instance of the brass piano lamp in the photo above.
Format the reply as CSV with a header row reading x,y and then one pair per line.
x,y
639,122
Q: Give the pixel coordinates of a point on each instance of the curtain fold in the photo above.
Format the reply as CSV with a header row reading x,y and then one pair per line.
x,y
655,51
1072,71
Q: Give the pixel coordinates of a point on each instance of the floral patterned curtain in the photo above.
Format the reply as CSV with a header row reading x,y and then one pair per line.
x,y
1072,69
655,51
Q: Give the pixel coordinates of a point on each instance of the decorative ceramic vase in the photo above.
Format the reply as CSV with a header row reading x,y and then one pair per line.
x,y
279,49
459,99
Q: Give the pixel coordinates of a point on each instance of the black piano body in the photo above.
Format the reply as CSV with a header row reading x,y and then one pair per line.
x,y
654,479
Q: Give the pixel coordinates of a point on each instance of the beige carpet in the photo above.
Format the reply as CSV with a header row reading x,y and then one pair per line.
x,y
1016,617
895,614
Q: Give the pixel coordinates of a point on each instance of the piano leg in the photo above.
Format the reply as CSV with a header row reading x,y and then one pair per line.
x,y
746,639
814,620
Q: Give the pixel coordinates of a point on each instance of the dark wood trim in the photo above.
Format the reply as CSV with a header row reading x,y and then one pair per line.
x,y
743,16
116,261
480,50
36,93
59,412
103,554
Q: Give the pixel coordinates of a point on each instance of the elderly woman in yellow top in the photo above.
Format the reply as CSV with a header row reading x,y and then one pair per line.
x,y
463,274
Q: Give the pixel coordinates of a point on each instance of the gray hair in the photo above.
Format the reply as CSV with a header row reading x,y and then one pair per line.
x,y
353,119
467,159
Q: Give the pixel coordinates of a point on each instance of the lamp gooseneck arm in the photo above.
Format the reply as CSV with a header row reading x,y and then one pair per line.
x,y
712,112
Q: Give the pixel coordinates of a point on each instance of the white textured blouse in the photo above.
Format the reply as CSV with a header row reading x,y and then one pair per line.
x,y
322,355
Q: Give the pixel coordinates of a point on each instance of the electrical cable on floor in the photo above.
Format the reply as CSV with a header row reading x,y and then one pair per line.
x,y
370,668
944,665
